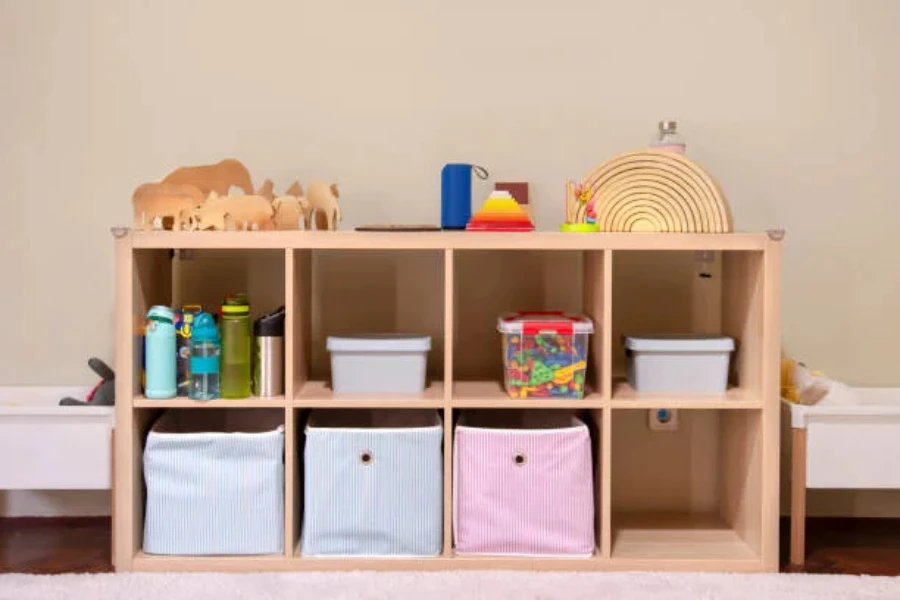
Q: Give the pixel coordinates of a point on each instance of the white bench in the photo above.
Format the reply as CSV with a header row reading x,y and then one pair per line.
x,y
50,447
842,446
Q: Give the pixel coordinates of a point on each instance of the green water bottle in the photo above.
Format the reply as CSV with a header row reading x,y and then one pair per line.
x,y
235,367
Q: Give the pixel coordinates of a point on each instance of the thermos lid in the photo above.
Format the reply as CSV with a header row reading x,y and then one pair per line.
x,y
161,313
205,329
270,325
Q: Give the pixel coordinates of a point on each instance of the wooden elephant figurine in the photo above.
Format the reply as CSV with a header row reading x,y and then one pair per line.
x,y
322,198
218,178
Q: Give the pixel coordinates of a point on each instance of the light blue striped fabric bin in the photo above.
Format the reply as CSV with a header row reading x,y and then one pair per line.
x,y
373,483
215,483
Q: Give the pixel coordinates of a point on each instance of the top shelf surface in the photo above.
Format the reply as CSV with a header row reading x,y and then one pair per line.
x,y
443,240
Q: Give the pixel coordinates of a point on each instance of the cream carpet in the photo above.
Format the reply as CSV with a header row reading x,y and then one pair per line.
x,y
446,585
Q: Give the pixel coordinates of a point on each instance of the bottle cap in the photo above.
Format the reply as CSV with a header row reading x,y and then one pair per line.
x,y
205,329
236,304
161,313
668,126
270,325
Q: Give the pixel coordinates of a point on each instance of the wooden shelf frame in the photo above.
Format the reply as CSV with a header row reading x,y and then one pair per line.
x,y
738,534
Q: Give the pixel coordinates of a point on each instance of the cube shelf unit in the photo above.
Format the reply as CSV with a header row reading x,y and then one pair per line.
x,y
703,497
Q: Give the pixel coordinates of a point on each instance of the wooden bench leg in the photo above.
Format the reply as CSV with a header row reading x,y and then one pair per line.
x,y
112,500
798,497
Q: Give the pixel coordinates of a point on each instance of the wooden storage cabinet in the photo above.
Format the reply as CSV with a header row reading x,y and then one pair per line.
x,y
703,497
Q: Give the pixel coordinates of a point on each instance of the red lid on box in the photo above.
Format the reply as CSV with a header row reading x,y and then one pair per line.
x,y
549,322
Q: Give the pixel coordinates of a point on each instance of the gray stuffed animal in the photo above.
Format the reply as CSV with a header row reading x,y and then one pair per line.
x,y
104,393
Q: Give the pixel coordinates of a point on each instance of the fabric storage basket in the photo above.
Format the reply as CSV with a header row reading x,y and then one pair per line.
x,y
373,483
523,484
215,483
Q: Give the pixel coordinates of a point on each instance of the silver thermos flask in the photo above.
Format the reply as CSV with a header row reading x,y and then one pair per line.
x,y
268,370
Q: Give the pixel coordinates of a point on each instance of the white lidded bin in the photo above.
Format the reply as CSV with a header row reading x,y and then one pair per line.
x,y
378,363
373,483
692,363
215,482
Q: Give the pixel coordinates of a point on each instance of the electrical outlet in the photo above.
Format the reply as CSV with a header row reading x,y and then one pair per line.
x,y
662,419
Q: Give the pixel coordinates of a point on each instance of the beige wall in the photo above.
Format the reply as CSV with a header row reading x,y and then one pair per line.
x,y
793,106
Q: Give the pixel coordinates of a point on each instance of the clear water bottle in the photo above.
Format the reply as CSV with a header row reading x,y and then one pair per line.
x,y
159,353
236,347
668,138
205,353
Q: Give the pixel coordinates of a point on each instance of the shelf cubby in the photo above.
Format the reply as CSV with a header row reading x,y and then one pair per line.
x,y
703,497
691,493
177,278
490,283
690,292
352,292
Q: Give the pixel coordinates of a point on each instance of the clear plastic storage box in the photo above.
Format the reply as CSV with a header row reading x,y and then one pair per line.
x,y
545,354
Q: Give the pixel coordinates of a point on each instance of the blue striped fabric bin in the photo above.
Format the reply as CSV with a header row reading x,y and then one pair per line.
x,y
373,483
215,483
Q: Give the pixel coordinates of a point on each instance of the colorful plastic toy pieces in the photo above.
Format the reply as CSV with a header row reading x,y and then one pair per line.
x,y
545,366
545,354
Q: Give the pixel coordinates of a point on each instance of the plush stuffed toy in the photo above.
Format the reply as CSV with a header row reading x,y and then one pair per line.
x,y
104,393
803,385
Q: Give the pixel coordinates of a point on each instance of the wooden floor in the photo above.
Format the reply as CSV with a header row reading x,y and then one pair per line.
x,y
847,546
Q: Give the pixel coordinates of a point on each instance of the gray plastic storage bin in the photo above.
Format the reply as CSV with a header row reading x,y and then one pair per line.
x,y
373,483
679,363
215,483
378,364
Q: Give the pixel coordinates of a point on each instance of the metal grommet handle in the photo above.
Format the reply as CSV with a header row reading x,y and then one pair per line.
x,y
520,459
366,458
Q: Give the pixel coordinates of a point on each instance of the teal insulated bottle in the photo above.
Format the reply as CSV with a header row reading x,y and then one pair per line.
x,y
160,354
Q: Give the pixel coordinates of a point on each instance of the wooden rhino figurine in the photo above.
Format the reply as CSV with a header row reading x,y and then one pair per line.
x,y
234,212
153,201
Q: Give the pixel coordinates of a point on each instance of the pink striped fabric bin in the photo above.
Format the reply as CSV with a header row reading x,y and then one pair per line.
x,y
523,484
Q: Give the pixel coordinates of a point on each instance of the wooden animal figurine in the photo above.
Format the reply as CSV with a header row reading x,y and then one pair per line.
x,y
218,178
294,190
323,200
234,212
267,190
153,201
290,211
292,208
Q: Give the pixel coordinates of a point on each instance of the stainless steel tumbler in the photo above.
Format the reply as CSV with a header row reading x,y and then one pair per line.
x,y
268,359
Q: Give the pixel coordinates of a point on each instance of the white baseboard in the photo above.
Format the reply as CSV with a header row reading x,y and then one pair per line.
x,y
55,503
